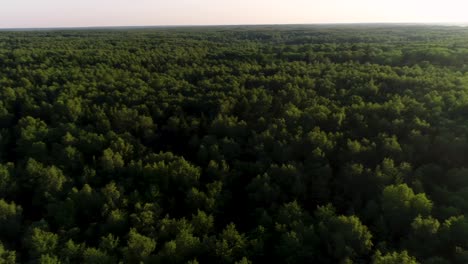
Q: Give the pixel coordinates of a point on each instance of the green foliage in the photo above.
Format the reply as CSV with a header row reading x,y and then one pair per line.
x,y
259,144
92,255
400,205
71,252
139,247
42,243
298,239
7,256
44,182
344,237
48,259
184,246
424,236
6,180
10,220
394,258
230,244
202,223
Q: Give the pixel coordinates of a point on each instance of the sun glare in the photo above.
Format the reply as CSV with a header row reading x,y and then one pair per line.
x,y
52,13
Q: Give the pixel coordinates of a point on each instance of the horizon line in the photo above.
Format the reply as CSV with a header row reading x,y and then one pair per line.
x,y
448,24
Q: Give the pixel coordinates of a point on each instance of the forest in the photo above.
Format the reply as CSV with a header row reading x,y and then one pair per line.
x,y
240,144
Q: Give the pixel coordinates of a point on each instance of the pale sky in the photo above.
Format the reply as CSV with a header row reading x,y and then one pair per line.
x,y
84,13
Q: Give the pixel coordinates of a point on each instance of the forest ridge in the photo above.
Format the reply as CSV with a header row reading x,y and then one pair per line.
x,y
262,144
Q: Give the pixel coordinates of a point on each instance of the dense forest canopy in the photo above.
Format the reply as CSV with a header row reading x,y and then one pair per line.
x,y
261,144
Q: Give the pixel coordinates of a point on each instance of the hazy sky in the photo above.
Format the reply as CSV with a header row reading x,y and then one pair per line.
x,y
66,13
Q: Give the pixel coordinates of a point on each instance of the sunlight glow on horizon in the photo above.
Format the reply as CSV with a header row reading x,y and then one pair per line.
x,y
84,13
